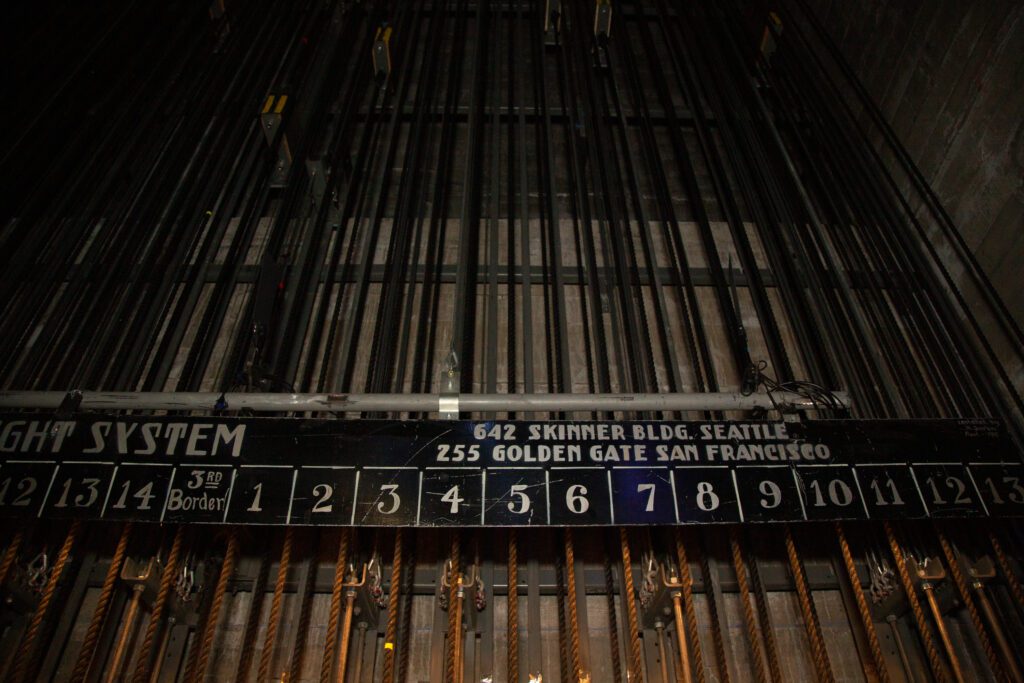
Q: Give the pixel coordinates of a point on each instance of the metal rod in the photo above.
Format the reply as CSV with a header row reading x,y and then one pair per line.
x,y
997,633
662,651
346,633
161,652
457,645
360,641
426,403
908,671
126,631
933,603
684,653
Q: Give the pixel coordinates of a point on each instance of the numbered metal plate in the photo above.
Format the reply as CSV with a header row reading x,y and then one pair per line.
x,y
431,473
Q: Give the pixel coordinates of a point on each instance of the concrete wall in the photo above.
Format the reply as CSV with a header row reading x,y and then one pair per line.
x,y
949,76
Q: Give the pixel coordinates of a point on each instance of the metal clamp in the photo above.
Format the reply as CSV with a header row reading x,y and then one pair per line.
x,y
38,571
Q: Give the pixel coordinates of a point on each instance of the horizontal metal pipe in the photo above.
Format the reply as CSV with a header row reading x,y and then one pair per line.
x,y
418,403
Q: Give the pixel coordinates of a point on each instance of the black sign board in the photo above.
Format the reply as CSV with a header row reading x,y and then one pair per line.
x,y
502,473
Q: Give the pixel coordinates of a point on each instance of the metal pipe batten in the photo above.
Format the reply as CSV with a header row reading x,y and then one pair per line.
x,y
419,403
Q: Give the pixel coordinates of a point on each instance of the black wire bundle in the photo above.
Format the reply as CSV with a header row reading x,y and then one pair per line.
x,y
819,396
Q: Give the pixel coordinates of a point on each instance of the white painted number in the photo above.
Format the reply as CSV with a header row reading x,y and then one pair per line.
x,y
145,494
839,493
26,486
323,493
255,507
458,453
575,499
707,499
452,497
391,490
81,500
63,501
649,490
504,432
772,494
1015,494
880,497
952,482
518,493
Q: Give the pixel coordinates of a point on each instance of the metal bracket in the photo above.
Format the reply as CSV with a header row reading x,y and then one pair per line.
x,y
368,592
270,119
772,30
929,575
928,571
471,585
656,588
980,572
70,405
451,378
382,54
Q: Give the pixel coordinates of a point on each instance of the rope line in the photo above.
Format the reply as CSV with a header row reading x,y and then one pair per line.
x,y
563,645
822,666
454,627
9,555
716,631
394,589
934,661
23,668
574,624
99,615
636,674
513,607
1004,565
305,614
144,667
774,667
334,615
252,622
972,609
688,607
613,621
880,669
263,672
227,569
748,609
